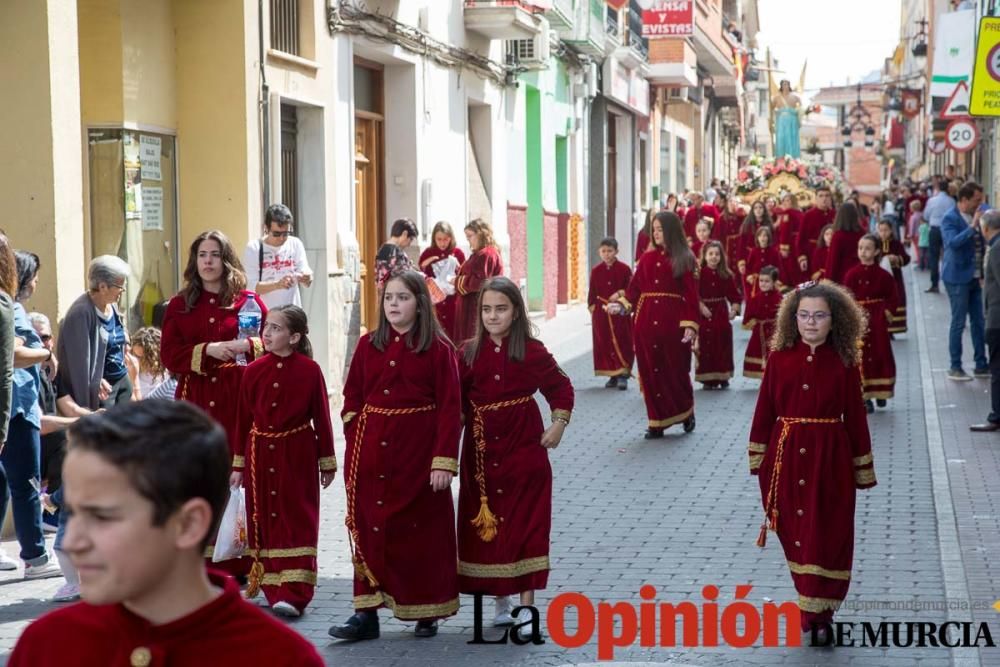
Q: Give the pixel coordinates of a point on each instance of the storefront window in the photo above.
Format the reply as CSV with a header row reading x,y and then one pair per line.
x,y
133,213
681,165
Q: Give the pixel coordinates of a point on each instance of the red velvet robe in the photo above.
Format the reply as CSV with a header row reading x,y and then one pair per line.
x,y
759,317
406,530
875,291
641,244
894,247
714,360
757,260
445,310
730,226
226,632
789,224
842,256
696,247
614,353
281,472
212,385
693,215
821,466
482,264
663,307
517,475
817,265
813,222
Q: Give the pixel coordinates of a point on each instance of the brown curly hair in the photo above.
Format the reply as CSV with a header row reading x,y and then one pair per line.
x,y
849,320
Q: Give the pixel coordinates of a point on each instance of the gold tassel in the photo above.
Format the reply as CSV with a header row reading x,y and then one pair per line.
x,y
253,581
485,522
762,537
361,570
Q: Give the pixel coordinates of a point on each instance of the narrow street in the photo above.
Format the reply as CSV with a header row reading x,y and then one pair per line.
x,y
683,513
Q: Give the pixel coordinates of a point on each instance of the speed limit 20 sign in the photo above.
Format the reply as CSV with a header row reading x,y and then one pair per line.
x,y
961,135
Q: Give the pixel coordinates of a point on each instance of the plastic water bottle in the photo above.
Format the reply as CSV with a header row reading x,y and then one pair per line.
x,y
249,318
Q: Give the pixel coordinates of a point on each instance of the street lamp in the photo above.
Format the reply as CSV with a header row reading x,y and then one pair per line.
x,y
920,40
858,119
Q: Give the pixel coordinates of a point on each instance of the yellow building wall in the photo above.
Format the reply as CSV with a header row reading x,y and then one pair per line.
x,y
100,53
149,88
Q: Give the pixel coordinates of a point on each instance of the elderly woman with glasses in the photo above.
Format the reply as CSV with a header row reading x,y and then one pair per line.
x,y
93,341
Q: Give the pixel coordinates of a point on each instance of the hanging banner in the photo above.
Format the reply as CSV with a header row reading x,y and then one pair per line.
x,y
954,51
673,18
985,96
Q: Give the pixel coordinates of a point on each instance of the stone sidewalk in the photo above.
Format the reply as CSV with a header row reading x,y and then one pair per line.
x,y
682,513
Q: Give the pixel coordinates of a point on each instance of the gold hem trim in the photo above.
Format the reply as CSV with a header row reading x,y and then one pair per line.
x,y
293,552
328,463
289,577
862,460
877,394
709,377
670,421
817,605
865,476
753,375
877,382
752,360
503,570
445,463
819,571
197,356
239,461
406,612
620,371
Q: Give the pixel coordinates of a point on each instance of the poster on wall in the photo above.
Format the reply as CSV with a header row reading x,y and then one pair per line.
x,y
149,157
152,209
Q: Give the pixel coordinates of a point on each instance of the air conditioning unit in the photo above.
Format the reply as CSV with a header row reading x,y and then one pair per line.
x,y
533,51
680,93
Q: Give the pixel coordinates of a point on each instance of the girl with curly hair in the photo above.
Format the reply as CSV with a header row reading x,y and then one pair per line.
x,y
810,446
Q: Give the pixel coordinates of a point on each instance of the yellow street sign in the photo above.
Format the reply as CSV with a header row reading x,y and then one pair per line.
x,y
985,95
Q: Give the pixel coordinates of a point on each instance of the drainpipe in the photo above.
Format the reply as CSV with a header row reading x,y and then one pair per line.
x,y
265,114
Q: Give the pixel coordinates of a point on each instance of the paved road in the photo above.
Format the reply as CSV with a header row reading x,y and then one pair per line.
x,y
682,513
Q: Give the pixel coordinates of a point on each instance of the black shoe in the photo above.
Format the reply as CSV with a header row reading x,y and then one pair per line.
x,y
881,402
363,625
623,382
869,406
426,629
932,290
724,384
689,424
653,433
611,383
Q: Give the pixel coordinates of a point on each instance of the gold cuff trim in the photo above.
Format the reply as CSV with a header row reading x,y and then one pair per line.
x,y
670,421
688,324
445,463
328,463
289,577
406,612
294,552
709,377
797,568
817,605
239,461
864,477
503,570
197,356
862,460
756,460
559,413
758,447
347,417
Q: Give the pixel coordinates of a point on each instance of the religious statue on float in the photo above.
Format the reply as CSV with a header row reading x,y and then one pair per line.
x,y
786,113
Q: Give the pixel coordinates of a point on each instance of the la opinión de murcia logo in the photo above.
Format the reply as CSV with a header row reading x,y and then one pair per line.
x,y
737,623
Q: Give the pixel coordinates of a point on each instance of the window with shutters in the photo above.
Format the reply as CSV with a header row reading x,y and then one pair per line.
x,y
285,26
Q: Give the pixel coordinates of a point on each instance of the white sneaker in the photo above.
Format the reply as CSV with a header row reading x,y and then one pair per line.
x,y
67,593
43,571
524,632
503,608
285,609
7,563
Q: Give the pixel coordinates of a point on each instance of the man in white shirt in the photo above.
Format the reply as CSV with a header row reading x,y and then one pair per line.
x,y
276,265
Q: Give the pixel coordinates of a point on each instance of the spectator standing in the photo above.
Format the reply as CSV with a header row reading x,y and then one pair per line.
x,y
276,264
991,231
8,290
934,211
391,257
962,273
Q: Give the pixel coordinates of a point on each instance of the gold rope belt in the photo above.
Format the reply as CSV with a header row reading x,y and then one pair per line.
x,y
770,504
714,300
185,379
652,295
361,568
614,338
257,570
868,302
485,523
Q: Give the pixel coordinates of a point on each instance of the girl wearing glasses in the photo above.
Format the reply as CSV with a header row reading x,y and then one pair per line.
x,y
875,290
810,446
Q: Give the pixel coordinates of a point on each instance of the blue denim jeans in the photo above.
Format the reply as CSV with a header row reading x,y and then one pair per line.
x,y
20,463
966,301
57,500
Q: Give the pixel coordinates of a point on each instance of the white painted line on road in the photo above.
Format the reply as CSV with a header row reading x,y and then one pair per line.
x,y
952,566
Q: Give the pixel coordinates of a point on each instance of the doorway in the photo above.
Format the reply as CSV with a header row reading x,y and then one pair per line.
x,y
369,179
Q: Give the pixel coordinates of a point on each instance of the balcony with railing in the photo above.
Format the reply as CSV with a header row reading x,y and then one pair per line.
x,y
613,29
505,19
589,32
562,15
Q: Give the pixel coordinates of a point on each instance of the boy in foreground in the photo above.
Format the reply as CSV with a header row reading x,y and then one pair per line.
x,y
145,486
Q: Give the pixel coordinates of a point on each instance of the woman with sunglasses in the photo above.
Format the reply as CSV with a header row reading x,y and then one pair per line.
x,y
93,341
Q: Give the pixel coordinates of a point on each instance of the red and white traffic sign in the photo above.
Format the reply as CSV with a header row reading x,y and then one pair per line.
x,y
961,135
936,147
957,104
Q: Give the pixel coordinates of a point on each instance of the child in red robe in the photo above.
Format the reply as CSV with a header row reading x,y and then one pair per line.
x,y
702,234
759,317
875,290
810,446
895,252
145,483
485,262
663,296
505,497
284,429
813,221
642,240
402,416
757,218
843,254
818,261
720,303
789,222
764,254
442,249
611,328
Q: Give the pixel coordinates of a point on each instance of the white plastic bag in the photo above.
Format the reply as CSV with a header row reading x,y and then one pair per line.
x,y
232,539
444,272
886,264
